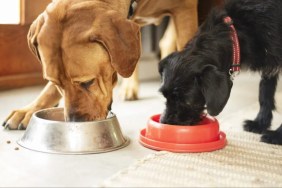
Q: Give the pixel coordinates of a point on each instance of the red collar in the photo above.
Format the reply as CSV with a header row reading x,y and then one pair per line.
x,y
235,68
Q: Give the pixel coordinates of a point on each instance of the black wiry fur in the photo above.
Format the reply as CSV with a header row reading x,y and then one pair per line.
x,y
198,77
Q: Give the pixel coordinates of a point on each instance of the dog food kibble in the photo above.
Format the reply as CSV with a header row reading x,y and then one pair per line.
x,y
8,142
16,148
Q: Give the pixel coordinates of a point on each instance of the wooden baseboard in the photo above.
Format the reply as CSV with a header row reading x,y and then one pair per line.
x,y
21,80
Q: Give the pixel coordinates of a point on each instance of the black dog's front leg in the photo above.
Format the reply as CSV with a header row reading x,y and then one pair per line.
x,y
263,120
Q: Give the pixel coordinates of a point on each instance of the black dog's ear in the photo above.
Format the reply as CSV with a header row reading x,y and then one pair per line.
x,y
216,87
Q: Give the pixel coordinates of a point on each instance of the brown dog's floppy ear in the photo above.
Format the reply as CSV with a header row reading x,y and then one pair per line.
x,y
121,38
33,33
216,87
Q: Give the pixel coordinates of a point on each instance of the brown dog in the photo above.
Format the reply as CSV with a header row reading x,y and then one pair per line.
x,y
181,28
82,45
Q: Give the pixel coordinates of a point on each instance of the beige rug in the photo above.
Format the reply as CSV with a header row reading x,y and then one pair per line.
x,y
244,162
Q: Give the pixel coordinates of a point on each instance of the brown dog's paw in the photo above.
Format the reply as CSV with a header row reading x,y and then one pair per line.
x,y
129,89
129,95
18,119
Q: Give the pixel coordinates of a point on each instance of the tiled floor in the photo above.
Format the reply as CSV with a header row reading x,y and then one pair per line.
x,y
23,167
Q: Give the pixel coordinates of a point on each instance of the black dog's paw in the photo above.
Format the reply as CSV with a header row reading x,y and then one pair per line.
x,y
272,137
253,126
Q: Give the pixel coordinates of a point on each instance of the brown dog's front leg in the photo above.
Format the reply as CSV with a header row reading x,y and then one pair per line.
x,y
19,119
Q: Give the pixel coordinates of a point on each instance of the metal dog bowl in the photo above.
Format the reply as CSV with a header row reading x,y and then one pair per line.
x,y
48,132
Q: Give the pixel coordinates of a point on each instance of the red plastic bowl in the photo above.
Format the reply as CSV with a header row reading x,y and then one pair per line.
x,y
206,131
197,138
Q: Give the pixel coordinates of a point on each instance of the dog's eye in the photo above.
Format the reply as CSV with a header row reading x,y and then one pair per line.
x,y
87,84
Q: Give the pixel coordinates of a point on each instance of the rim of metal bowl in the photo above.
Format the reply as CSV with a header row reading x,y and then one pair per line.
x,y
35,114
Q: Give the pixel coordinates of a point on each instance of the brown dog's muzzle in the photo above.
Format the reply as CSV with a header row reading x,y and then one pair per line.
x,y
87,103
73,114
75,117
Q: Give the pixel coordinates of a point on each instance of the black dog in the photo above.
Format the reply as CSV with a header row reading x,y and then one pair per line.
x,y
201,75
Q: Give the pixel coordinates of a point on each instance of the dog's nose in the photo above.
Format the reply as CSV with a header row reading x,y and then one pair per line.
x,y
167,118
75,117
174,119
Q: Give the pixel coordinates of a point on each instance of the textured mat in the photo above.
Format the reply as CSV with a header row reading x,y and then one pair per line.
x,y
244,162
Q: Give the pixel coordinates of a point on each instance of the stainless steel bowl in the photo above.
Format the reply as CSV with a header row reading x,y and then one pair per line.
x,y
48,132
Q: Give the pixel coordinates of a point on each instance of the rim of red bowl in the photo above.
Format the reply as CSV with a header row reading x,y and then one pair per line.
x,y
210,119
207,131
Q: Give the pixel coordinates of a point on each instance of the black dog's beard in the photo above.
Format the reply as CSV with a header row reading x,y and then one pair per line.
x,y
188,116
